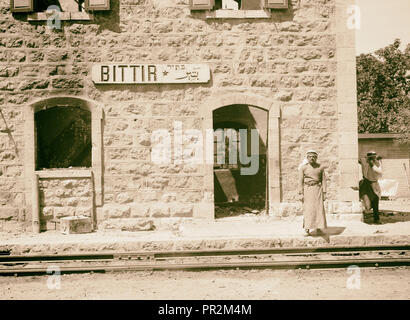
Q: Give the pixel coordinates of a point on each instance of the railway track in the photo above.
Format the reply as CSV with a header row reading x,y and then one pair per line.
x,y
276,258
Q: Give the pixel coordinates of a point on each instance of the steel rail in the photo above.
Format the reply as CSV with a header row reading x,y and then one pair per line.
x,y
194,253
307,264
292,258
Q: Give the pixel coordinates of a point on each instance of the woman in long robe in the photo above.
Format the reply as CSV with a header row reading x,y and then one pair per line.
x,y
312,187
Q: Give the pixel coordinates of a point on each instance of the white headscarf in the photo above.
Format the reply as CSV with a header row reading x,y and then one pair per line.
x,y
305,160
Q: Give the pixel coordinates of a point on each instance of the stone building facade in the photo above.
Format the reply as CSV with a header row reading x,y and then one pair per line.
x,y
297,64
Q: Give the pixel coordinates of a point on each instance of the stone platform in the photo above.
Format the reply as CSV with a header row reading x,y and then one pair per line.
x,y
228,233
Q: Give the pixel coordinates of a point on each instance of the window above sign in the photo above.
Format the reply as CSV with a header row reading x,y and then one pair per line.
x,y
237,8
39,10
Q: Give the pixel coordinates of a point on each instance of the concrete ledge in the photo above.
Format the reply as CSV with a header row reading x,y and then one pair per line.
x,y
256,232
238,14
67,173
125,245
63,16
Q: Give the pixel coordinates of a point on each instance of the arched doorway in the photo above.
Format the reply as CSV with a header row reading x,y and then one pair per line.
x,y
240,149
206,208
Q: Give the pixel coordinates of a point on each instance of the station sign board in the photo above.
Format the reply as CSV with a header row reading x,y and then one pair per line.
x,y
123,73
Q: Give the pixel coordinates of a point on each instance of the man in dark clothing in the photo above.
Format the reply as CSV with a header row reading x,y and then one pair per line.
x,y
369,188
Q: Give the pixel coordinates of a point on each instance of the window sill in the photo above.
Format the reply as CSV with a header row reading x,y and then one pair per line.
x,y
63,173
238,14
64,16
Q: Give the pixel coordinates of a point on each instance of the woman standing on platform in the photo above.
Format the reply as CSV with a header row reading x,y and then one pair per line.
x,y
312,188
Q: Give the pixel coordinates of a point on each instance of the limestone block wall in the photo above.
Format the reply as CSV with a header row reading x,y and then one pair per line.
x,y
289,59
61,197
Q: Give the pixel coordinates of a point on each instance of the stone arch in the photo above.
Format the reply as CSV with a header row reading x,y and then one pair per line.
x,y
206,209
30,143
240,98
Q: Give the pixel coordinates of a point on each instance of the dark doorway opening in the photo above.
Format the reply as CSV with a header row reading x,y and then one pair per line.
x,y
236,193
63,136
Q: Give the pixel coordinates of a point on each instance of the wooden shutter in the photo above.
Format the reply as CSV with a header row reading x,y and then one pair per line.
x,y
276,4
97,5
69,5
21,5
251,5
201,4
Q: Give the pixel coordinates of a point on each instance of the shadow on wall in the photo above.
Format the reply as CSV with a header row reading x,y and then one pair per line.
x,y
4,128
109,20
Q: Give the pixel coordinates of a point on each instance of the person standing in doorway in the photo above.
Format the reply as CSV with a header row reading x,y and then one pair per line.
x,y
312,188
369,188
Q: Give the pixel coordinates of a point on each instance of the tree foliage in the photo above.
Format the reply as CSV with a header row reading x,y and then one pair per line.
x,y
383,86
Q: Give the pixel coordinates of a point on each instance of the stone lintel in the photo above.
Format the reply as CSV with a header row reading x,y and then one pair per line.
x,y
238,14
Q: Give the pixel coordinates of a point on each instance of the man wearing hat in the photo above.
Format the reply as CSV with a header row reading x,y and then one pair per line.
x,y
312,187
369,188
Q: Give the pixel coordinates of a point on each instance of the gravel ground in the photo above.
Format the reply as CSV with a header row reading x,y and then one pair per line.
x,y
386,283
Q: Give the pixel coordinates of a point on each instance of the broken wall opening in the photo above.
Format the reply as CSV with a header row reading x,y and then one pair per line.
x,y
64,197
235,191
63,137
63,140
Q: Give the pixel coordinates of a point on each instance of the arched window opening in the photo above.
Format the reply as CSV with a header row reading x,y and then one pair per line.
x,y
63,135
